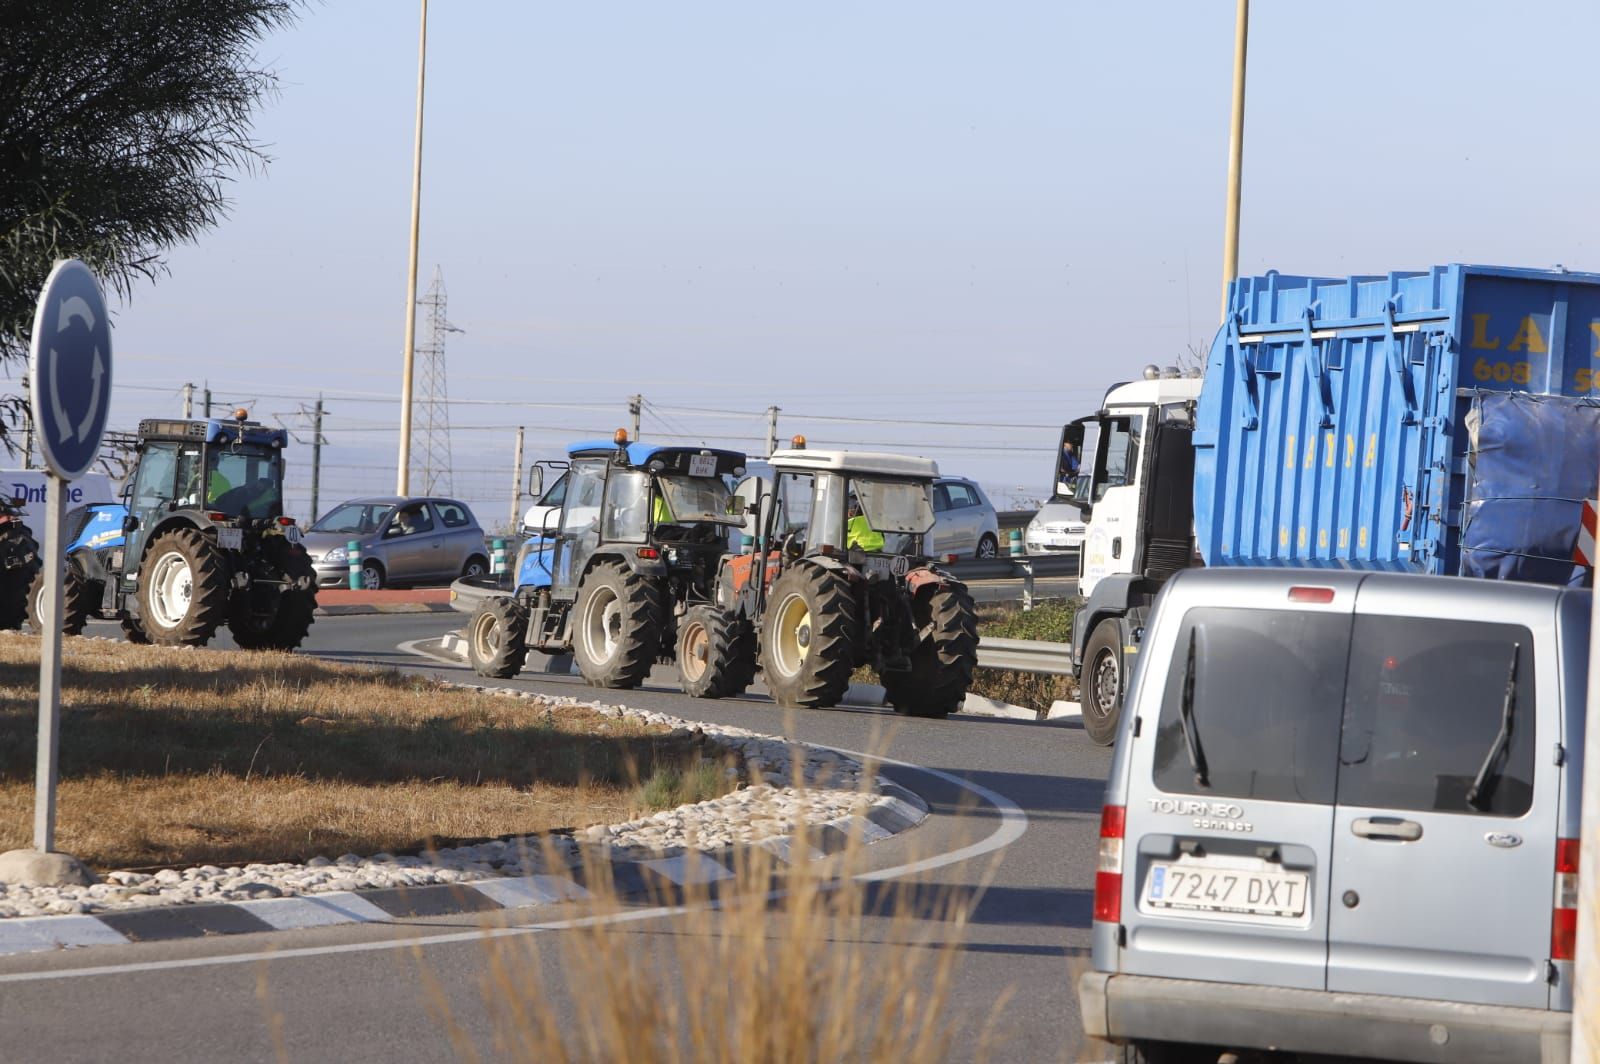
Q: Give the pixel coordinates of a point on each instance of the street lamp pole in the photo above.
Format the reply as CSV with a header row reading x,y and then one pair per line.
x,y
403,473
1230,239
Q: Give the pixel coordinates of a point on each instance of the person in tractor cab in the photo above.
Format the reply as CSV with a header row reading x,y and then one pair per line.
x,y
858,533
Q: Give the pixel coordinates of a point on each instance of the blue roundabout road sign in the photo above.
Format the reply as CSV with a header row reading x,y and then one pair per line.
x,y
69,372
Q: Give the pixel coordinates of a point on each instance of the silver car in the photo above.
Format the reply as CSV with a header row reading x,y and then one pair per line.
x,y
1057,528
1343,819
402,541
964,520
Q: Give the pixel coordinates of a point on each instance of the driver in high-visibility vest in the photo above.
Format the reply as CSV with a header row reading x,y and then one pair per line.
x,y
858,533
660,512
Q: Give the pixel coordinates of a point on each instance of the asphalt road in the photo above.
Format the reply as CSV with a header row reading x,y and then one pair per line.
x,y
359,993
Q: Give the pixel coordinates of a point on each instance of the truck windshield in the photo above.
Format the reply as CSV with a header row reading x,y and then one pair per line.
x,y
693,499
894,505
244,481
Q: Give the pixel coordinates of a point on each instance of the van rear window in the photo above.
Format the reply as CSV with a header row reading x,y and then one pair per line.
x,y
1424,709
1264,696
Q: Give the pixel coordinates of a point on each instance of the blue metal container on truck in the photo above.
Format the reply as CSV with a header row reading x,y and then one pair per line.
x,y
1438,421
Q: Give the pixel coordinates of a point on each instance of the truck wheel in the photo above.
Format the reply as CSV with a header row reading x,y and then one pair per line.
x,y
132,630
1168,1053
808,643
716,653
1102,686
618,631
277,619
942,663
80,596
183,589
19,562
497,639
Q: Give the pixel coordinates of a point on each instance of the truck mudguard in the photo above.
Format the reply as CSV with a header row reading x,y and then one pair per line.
x,y
1124,596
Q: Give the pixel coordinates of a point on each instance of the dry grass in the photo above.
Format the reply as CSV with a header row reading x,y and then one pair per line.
x,y
182,757
797,963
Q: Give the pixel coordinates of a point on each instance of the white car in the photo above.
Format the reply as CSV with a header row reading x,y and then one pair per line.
x,y
1058,527
548,506
964,521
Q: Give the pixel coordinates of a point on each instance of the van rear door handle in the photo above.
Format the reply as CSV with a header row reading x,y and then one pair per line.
x,y
1387,827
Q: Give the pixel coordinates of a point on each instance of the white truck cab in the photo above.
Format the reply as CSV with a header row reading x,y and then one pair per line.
x,y
1115,490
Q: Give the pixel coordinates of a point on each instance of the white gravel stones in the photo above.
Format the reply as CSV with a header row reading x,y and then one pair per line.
x,y
793,785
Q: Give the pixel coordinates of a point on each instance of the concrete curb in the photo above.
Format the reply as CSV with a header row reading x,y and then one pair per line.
x,y
858,694
662,880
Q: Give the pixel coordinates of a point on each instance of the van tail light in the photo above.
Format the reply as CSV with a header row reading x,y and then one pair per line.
x,y
1564,918
1108,874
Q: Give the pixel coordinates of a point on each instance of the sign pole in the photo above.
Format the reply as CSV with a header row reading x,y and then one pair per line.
x,y
44,802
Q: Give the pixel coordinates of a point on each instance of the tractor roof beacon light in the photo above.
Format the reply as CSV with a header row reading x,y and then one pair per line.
x,y
798,443
240,414
620,438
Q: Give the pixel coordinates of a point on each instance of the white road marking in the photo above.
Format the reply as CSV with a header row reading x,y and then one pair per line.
x,y
1013,823
314,910
689,868
33,934
529,890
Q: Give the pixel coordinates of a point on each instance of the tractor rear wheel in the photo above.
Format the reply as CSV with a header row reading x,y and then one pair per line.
x,y
808,643
716,653
264,618
19,563
183,589
617,633
497,638
79,596
942,663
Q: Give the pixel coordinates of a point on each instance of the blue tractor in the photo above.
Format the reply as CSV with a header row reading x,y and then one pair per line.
x,y
199,541
631,555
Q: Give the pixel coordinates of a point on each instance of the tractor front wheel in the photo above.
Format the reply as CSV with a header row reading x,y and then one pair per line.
x,y
79,598
183,589
716,653
617,635
808,643
277,617
497,639
946,654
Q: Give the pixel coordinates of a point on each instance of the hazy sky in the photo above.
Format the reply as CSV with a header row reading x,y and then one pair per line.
x,y
930,214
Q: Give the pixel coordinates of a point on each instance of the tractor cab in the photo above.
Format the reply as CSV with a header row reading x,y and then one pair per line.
x,y
659,509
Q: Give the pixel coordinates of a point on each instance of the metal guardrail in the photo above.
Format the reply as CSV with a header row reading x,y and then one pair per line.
x,y
1006,566
1025,655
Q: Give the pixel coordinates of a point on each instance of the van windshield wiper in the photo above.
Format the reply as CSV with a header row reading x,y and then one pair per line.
x,y
1191,735
1475,794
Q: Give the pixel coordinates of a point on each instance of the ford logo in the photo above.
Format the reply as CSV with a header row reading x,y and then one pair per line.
x,y
1504,839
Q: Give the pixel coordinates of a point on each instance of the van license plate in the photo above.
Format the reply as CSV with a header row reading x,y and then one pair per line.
x,y
702,465
1196,887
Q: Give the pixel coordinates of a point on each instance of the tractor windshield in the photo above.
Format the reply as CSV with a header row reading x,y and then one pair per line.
x,y
894,505
244,480
690,500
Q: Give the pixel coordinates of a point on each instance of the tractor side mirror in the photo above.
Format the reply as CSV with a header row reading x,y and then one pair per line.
x,y
536,481
130,523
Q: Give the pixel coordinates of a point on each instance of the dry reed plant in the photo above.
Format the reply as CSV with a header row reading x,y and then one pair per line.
x,y
170,756
789,963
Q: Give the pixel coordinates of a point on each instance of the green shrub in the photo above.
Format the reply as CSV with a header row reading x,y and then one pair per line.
x,y
1049,621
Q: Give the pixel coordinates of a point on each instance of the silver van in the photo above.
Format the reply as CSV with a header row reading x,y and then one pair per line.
x,y
1342,818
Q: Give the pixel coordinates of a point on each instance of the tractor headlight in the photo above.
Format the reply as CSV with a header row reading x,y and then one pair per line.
x,y
337,554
